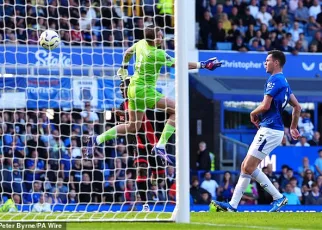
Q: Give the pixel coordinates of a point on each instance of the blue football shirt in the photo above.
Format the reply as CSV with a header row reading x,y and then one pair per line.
x,y
278,88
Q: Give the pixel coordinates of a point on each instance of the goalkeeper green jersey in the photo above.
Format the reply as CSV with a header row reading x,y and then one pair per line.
x,y
149,61
9,206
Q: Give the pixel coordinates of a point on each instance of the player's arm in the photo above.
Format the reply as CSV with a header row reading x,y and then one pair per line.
x,y
295,116
210,64
262,108
122,72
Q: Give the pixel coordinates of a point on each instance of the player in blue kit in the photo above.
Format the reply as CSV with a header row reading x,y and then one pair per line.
x,y
268,118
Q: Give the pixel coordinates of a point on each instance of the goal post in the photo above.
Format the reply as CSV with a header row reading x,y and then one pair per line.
x,y
51,101
182,112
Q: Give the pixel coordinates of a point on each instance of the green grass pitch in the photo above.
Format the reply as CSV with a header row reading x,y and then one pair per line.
x,y
200,221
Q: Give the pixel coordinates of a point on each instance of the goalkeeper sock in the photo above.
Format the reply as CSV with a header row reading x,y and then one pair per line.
x,y
166,134
243,182
106,136
263,180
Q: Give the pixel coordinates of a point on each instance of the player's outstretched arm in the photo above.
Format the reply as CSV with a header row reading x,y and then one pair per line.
x,y
210,64
122,72
295,116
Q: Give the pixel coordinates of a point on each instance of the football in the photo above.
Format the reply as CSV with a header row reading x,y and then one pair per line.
x,y
49,40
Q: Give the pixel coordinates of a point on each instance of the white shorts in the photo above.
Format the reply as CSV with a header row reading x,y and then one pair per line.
x,y
265,141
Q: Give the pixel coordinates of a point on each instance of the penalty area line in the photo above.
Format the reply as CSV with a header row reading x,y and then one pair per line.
x,y
241,226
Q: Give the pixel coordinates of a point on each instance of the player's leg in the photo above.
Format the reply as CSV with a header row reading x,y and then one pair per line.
x,y
264,142
169,128
249,164
169,106
136,110
134,124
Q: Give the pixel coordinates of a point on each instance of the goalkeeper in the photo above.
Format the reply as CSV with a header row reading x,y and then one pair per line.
x,y
141,91
10,204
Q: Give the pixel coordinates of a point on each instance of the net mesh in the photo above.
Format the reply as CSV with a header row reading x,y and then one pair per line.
x,y
53,102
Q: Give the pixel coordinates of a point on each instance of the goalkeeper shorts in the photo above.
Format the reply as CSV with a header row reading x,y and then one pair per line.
x,y
142,97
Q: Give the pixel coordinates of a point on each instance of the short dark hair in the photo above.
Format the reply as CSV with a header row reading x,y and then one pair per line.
x,y
151,32
279,56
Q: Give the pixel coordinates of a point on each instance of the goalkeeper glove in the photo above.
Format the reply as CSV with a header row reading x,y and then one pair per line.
x,y
210,64
123,72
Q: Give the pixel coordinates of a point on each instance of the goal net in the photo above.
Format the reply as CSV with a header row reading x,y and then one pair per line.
x,y
54,102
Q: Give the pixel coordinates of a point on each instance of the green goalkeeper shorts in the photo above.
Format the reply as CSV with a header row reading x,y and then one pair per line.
x,y
142,97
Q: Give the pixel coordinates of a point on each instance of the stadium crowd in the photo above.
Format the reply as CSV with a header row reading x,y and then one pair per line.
x,y
81,22
302,185
41,158
287,25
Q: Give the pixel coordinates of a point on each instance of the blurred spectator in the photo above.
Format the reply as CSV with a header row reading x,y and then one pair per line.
x,y
54,197
305,43
312,26
253,8
13,180
308,179
62,190
293,4
34,194
130,190
314,197
226,23
76,175
254,46
317,42
283,17
250,33
170,176
210,185
305,166
219,12
35,167
264,31
263,17
248,18
43,205
270,174
291,196
207,23
301,14
239,45
315,9
205,198
258,38
110,195
72,197
85,195
88,114
196,192
302,142
219,34
234,16
316,140
319,182
226,188
286,179
295,31
295,188
318,164
203,162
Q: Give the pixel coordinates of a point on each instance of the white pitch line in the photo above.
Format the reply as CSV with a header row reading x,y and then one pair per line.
x,y
242,226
